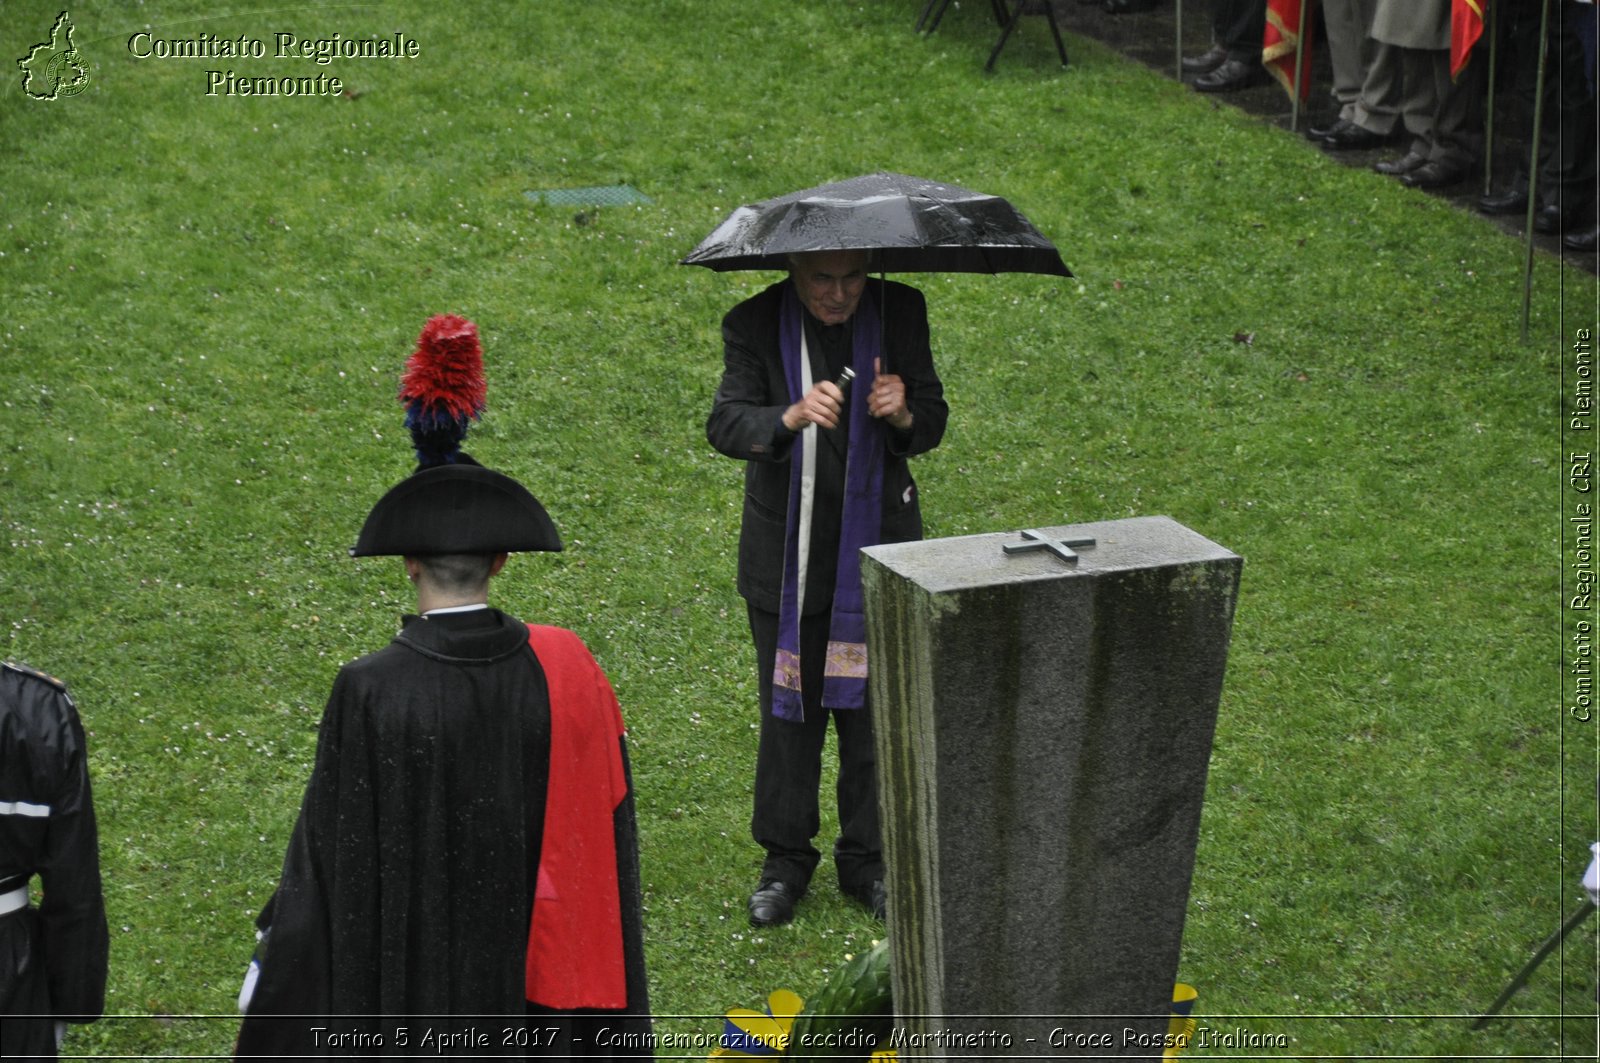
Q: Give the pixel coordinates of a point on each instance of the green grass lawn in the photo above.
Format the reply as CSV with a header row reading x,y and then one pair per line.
x,y
208,299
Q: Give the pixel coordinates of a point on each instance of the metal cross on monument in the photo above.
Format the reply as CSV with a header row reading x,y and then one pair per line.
x,y
1037,540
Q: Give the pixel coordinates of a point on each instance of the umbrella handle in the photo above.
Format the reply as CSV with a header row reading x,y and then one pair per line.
x,y
883,321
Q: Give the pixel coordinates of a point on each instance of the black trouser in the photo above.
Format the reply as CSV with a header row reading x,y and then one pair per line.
x,y
1567,168
1238,25
789,770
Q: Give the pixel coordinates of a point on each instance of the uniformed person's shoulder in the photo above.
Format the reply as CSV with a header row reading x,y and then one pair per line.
x,y
377,664
36,698
33,673
29,685
374,679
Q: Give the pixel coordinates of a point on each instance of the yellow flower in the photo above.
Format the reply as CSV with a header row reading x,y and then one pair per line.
x,y
747,1033
1180,1028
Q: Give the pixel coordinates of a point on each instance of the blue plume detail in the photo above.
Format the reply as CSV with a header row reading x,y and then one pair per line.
x,y
435,433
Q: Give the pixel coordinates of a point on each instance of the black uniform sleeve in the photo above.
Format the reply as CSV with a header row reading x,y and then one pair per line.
x,y
73,913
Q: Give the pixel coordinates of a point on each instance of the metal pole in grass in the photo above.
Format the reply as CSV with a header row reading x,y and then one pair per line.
x,y
1533,166
1492,29
1307,11
1177,48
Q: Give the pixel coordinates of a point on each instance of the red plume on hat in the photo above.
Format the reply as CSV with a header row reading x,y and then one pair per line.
x,y
451,504
443,388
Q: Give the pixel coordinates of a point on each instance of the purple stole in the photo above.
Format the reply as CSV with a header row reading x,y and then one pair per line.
x,y
844,684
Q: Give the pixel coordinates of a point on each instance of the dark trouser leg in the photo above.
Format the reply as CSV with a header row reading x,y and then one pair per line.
x,y
1567,139
1567,146
1457,136
1238,25
789,757
789,770
858,852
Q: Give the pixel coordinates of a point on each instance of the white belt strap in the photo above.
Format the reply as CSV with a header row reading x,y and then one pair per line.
x,y
14,900
23,808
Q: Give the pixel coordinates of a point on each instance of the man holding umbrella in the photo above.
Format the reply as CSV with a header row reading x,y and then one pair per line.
x,y
825,475
828,387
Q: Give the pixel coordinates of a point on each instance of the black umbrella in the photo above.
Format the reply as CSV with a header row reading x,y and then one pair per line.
x,y
912,225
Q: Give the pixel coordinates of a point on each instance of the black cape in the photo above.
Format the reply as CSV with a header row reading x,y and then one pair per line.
x,y
400,924
52,958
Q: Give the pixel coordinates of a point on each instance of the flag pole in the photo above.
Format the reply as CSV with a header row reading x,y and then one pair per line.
x,y
1307,8
1177,48
1492,29
1533,165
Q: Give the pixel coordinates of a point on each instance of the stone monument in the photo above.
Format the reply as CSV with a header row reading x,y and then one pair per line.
x,y
1044,704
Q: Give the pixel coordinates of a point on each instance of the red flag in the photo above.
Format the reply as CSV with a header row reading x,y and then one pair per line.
x,y
1280,42
1466,26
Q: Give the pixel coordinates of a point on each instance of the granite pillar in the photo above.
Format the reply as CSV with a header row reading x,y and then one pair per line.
x,y
1043,732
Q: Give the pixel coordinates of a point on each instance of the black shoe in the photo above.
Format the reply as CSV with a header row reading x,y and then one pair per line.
x,y
1511,201
1321,133
1587,240
1206,61
872,896
1231,76
1352,137
1553,218
772,904
1435,174
1129,7
1405,164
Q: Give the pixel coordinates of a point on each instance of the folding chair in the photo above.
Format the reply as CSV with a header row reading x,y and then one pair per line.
x,y
1005,15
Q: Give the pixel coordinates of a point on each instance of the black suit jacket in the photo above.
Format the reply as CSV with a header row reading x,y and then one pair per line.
x,y
746,423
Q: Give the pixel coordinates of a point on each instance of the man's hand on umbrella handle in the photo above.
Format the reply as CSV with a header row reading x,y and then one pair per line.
x,y
888,398
821,405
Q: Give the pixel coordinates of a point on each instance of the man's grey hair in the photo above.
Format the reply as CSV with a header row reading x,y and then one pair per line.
x,y
456,573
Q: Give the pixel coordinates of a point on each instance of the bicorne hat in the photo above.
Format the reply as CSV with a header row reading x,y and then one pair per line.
x,y
451,504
